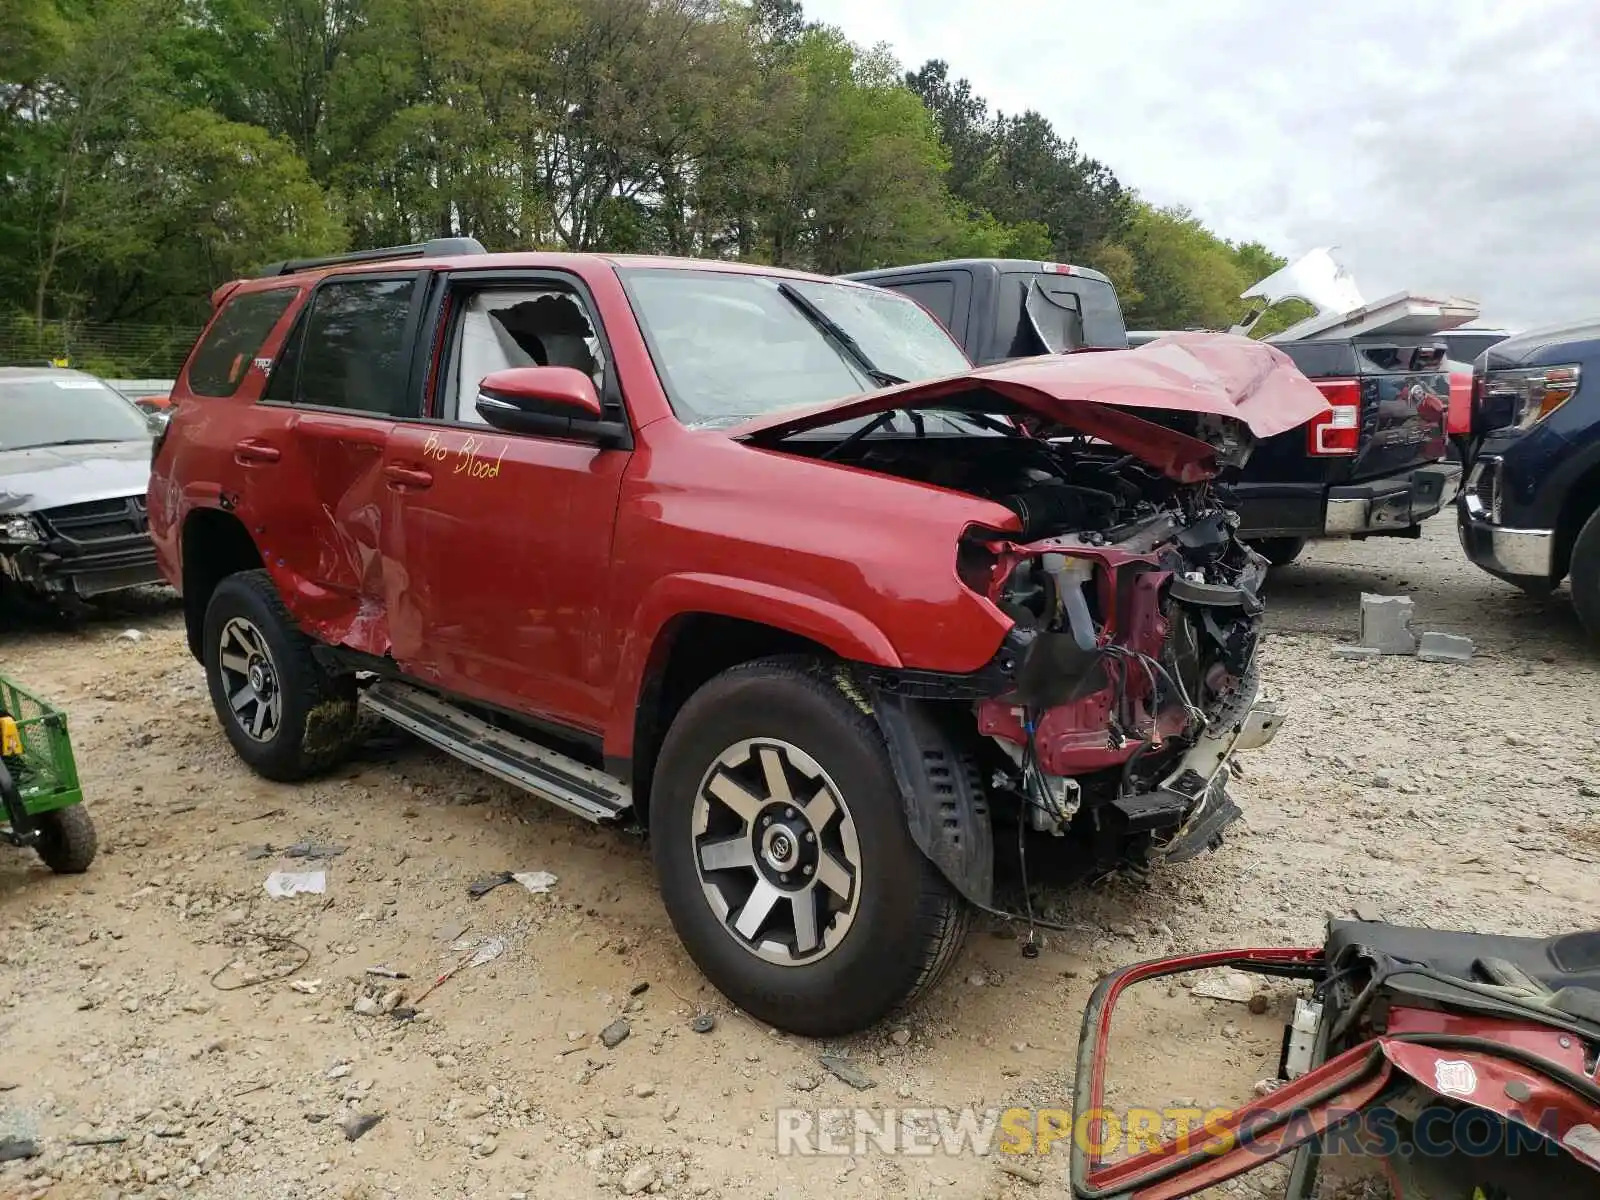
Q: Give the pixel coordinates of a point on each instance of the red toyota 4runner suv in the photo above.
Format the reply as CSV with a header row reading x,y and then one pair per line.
x,y
753,558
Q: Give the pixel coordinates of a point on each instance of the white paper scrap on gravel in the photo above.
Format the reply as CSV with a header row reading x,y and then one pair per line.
x,y
283,884
490,949
537,882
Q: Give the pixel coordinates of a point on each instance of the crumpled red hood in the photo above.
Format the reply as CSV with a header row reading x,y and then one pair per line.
x,y
1211,374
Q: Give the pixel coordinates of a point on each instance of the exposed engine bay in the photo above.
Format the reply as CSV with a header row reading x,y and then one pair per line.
x,y
1129,674
1053,487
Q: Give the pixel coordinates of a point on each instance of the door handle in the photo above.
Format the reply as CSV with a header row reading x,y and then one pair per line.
x,y
252,451
406,477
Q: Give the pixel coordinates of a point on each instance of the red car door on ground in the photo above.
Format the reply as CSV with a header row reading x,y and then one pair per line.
x,y
500,546
341,380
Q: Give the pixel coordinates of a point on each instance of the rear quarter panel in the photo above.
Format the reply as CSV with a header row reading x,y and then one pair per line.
x,y
195,466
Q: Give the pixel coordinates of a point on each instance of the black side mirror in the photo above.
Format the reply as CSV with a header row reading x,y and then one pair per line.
x,y
558,402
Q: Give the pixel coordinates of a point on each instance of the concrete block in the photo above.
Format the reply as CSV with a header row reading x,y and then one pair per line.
x,y
1444,648
1386,624
1357,653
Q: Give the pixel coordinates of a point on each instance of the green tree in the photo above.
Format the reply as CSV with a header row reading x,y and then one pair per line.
x,y
150,149
121,200
1186,276
854,163
964,124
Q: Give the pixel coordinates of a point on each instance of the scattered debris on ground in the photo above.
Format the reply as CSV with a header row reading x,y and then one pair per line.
x,y
843,1069
1444,648
281,885
113,1029
1386,629
1386,624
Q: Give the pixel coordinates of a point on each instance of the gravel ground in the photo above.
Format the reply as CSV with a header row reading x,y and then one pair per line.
x,y
142,1002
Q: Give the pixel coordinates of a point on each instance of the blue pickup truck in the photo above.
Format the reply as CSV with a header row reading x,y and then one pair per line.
x,y
1530,510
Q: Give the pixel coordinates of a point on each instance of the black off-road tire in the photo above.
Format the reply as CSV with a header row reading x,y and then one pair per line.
x,y
1279,552
67,840
317,728
1583,575
909,924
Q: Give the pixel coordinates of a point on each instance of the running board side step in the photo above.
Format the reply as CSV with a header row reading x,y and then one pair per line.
x,y
520,761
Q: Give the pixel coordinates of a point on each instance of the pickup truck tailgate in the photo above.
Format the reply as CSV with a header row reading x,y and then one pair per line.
x,y
1373,464
1400,390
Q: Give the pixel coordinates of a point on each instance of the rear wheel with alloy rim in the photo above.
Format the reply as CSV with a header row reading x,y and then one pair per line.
x,y
250,680
286,716
784,858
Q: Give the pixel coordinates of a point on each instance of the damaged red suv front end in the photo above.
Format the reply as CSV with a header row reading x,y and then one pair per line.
x,y
1128,676
1135,681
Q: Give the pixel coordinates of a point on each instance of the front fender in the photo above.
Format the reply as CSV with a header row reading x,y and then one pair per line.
x,y
848,634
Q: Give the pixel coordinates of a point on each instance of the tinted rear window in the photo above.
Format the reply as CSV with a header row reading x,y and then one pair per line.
x,y
224,353
1091,303
355,353
938,296
1465,347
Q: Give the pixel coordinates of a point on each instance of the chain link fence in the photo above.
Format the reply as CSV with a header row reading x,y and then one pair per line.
x,y
126,351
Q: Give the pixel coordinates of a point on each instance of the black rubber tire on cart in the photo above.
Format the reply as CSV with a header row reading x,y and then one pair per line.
x,y
67,840
1279,551
1583,576
784,858
287,717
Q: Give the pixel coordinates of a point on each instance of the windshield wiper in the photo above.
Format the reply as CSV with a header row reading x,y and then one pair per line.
x,y
836,333
87,442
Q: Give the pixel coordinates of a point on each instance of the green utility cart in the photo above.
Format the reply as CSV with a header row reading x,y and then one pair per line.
x,y
43,801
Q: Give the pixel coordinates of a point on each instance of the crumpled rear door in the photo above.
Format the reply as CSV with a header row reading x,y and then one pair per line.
x,y
321,533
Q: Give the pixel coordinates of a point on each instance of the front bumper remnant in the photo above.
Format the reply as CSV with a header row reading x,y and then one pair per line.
x,y
44,571
1197,783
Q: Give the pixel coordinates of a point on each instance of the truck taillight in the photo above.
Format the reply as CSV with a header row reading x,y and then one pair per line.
x,y
1337,431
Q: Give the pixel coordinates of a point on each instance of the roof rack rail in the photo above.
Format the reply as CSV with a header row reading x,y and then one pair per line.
x,y
434,248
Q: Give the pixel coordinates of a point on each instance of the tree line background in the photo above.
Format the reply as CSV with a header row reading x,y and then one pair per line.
x,y
151,150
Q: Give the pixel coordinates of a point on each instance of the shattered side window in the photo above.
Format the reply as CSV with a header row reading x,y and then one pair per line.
x,y
526,327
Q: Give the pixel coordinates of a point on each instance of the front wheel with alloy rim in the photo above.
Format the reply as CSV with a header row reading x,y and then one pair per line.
x,y
286,716
784,858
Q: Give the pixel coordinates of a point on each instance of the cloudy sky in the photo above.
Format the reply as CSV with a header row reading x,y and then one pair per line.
x,y
1452,147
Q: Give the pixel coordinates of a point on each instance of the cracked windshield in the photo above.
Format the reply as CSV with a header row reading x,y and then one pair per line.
x,y
733,346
